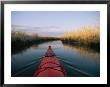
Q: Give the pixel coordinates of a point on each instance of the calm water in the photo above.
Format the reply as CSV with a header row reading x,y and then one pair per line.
x,y
77,61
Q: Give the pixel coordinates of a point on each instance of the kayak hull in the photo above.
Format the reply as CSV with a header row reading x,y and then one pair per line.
x,y
50,66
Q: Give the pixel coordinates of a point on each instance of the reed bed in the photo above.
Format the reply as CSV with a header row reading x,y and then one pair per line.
x,y
86,36
22,38
21,41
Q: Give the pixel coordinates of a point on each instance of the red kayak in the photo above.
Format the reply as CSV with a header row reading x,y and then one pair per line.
x,y
50,66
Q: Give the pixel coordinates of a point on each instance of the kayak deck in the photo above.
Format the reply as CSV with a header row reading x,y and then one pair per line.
x,y
50,66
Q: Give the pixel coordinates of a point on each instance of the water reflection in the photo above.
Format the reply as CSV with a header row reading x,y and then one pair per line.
x,y
74,59
85,52
18,49
34,47
54,44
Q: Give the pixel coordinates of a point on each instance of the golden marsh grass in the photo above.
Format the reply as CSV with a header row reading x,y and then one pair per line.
x,y
84,35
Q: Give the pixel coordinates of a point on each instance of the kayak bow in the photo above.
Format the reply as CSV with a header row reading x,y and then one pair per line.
x,y
50,66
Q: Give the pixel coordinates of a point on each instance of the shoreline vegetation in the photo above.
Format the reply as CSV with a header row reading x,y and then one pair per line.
x,y
85,37
21,40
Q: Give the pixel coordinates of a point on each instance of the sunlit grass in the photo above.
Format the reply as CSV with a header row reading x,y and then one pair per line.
x,y
87,36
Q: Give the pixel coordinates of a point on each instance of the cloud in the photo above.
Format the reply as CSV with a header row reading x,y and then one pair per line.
x,y
25,27
46,30
32,29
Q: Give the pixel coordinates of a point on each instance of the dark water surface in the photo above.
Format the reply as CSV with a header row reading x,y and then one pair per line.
x,y
77,61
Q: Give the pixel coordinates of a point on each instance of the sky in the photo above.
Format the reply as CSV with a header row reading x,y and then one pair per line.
x,y
53,23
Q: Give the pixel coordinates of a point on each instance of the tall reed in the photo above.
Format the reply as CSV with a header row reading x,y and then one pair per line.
x,y
86,36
